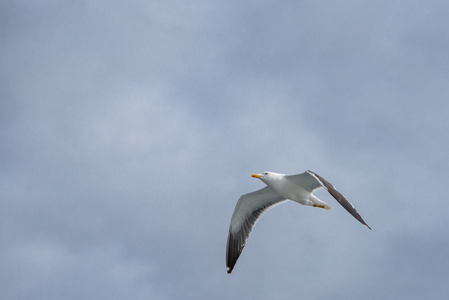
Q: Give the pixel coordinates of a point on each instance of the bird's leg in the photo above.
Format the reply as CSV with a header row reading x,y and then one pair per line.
x,y
320,206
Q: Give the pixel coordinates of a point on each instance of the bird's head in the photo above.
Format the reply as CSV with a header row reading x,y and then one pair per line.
x,y
265,176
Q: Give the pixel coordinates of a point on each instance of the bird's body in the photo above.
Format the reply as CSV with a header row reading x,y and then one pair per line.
x,y
293,187
280,187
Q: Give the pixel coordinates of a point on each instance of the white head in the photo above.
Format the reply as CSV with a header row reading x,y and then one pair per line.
x,y
267,176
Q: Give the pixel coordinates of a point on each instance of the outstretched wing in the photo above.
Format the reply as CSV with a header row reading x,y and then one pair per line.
x,y
305,180
339,197
249,207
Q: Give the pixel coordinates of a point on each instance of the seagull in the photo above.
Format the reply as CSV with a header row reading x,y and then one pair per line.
x,y
280,188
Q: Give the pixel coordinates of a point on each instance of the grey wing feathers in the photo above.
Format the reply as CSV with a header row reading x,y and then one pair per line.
x,y
247,210
305,180
340,198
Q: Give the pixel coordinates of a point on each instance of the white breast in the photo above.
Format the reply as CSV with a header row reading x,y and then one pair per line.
x,y
288,189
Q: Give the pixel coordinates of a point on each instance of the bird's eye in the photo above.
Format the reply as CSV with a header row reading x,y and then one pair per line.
x,y
266,173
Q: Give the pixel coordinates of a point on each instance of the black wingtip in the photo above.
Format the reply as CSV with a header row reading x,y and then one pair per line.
x,y
232,252
340,198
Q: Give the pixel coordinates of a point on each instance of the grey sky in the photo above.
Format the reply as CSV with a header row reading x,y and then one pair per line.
x,y
129,129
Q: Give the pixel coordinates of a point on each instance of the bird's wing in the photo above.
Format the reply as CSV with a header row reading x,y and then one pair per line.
x,y
339,197
305,180
249,207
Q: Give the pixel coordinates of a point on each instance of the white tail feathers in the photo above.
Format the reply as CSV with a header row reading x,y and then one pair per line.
x,y
318,203
327,206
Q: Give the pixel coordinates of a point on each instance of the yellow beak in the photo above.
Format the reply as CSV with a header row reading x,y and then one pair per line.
x,y
255,175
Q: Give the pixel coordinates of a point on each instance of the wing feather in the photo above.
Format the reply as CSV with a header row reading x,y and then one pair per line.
x,y
305,180
247,210
339,197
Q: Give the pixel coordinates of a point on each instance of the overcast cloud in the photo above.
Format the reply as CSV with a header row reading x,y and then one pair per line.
x,y
128,130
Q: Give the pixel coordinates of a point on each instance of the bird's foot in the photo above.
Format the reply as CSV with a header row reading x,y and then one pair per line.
x,y
320,206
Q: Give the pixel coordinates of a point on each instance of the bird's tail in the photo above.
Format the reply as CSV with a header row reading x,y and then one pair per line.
x,y
321,204
327,206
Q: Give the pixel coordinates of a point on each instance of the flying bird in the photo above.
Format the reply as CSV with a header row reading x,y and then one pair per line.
x,y
280,188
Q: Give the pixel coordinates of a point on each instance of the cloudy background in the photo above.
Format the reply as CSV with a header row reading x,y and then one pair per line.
x,y
128,130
